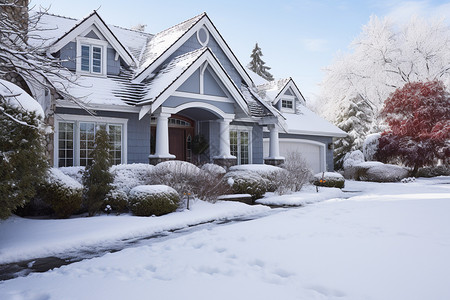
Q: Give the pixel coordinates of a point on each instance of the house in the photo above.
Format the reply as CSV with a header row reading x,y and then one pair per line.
x,y
178,94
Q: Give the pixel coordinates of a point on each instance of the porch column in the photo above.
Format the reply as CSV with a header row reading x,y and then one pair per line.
x,y
225,158
274,147
162,140
225,138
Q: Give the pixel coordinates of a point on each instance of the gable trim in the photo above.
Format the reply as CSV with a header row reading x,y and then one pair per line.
x,y
204,21
80,28
206,56
289,84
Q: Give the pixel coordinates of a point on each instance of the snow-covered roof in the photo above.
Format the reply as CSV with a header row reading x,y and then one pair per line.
x,y
17,97
257,80
163,40
273,88
308,123
170,73
51,28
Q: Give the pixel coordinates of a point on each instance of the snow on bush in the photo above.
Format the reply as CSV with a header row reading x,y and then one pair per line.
x,y
62,193
329,179
269,173
247,182
180,175
148,200
296,176
18,98
213,169
74,172
376,172
129,176
352,159
370,146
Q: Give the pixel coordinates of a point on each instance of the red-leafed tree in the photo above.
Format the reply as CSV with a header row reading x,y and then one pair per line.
x,y
418,115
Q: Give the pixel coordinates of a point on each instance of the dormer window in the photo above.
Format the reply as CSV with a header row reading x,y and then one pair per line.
x,y
287,104
92,56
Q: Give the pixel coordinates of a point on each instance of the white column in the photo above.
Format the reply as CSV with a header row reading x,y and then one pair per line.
x,y
274,146
162,136
225,139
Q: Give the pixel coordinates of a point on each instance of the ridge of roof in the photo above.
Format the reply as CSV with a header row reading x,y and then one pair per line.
x,y
148,59
55,15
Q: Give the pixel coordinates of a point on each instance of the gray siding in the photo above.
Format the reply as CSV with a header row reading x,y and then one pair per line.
x,y
192,44
257,144
112,65
68,55
211,86
138,133
192,84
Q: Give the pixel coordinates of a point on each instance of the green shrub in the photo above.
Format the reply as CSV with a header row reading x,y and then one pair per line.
x,y
148,200
62,193
117,199
329,179
245,182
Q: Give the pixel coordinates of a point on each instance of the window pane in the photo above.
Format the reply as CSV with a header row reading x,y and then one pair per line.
x,y
65,144
96,59
87,135
115,141
85,58
244,147
233,143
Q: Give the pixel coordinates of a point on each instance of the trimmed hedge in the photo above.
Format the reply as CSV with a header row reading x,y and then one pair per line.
x,y
148,200
244,182
62,193
329,179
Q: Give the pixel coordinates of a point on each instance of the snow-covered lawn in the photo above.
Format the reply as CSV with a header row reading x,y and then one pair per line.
x,y
389,241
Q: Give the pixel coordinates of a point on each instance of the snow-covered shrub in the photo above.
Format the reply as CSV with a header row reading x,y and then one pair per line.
x,y
271,174
180,175
62,193
74,172
126,177
148,200
442,170
353,158
408,180
247,182
213,169
297,174
329,179
376,172
370,146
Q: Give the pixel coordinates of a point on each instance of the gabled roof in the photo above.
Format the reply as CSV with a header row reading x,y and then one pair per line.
x,y
168,41
83,25
273,90
179,69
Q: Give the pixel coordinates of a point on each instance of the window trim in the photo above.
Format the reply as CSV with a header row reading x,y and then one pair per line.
x,y
103,45
287,99
239,129
76,120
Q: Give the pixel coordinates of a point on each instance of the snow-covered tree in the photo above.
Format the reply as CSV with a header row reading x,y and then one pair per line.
x,y
24,55
353,119
257,65
97,179
418,115
384,57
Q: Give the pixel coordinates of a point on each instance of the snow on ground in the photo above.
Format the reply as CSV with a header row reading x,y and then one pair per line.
x,y
23,239
386,241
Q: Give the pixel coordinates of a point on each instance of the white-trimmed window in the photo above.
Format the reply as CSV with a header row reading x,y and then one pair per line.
x,y
76,140
288,104
240,144
91,57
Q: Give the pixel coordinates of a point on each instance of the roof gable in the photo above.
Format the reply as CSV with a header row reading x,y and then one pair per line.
x,y
165,43
275,90
178,71
94,20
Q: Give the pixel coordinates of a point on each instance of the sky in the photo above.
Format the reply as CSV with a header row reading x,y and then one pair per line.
x,y
298,38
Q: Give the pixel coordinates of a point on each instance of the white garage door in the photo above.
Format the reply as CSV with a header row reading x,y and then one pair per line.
x,y
312,152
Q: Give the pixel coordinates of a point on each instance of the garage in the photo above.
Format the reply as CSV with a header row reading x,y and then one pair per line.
x,y
313,152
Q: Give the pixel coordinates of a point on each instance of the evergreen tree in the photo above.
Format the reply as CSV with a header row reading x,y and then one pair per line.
x,y
258,66
355,119
97,179
22,157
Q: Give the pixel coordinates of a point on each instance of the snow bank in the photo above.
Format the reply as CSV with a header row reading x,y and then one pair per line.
x,y
307,195
17,97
